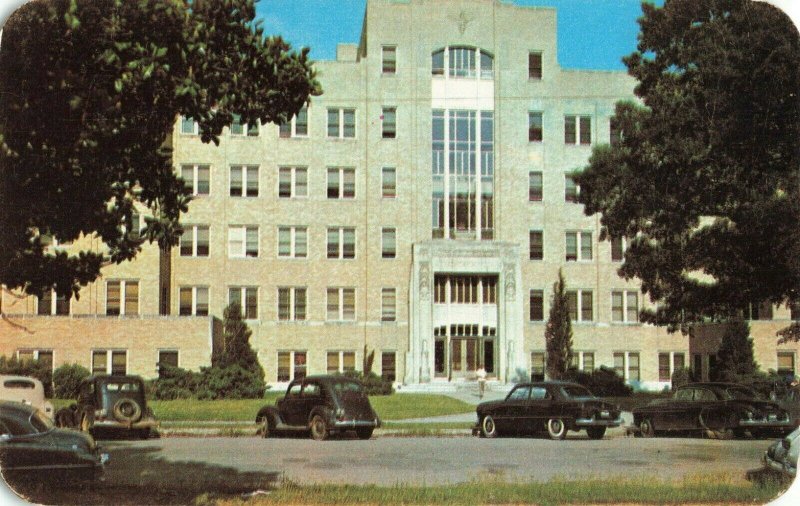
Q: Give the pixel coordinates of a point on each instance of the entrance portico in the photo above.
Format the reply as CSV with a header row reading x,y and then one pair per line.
x,y
466,312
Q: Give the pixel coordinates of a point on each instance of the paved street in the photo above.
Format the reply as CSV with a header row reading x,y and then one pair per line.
x,y
248,463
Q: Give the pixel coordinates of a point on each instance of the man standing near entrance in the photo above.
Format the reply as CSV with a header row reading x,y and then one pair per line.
x,y
481,373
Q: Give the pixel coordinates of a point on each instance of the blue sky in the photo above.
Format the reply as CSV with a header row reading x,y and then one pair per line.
x,y
592,34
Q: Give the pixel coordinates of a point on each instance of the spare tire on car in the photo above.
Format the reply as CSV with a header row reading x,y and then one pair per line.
x,y
127,410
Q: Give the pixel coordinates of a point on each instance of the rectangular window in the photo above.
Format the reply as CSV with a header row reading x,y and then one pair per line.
x,y
388,304
537,305
292,242
389,366
242,242
341,304
341,242
588,361
577,129
197,178
291,304
244,181
99,362
389,59
625,307
296,127
193,301
168,358
537,366
786,365
341,361
664,373
341,183
194,241
291,365
341,123
580,303
576,242
247,298
619,364
535,186
536,245
115,361
52,304
535,130
570,189
43,357
388,243
389,123
388,182
535,65
238,128
292,182
617,249
633,367
188,126
118,291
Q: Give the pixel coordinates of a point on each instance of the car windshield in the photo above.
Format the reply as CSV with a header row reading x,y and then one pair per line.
x,y
41,422
122,387
740,393
573,391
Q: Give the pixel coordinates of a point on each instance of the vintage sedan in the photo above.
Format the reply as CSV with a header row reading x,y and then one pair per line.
x,y
33,450
320,405
552,406
26,390
725,409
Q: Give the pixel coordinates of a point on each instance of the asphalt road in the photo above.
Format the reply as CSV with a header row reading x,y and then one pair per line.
x,y
248,463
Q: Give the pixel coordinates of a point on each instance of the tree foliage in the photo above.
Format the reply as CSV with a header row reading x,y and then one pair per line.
x,y
89,93
236,349
558,332
735,356
704,183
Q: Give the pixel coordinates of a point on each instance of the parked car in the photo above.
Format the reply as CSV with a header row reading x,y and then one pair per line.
x,y
790,401
727,409
25,390
33,450
320,405
781,456
552,406
115,403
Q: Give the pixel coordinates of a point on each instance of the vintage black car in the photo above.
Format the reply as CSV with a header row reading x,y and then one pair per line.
x,y
320,405
110,403
725,409
33,450
552,406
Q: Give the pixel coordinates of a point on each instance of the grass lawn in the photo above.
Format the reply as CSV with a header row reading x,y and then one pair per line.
x,y
712,489
388,407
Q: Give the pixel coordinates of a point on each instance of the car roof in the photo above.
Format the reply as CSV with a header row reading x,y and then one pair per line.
x,y
327,378
115,378
558,383
718,384
7,377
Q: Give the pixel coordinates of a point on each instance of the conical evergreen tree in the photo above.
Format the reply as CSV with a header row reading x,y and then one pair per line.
x,y
558,332
236,337
735,356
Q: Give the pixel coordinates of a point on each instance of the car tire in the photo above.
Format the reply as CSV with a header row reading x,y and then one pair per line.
x,y
596,432
127,410
646,428
364,433
319,428
556,428
266,427
489,427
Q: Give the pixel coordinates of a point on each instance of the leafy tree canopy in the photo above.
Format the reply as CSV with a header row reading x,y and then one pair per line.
x,y
89,92
704,182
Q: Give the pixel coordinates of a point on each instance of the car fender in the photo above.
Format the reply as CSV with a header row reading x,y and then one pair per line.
x,y
271,413
324,411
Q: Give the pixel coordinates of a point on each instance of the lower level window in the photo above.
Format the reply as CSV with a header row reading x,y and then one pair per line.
x,y
44,357
109,362
341,361
537,366
291,365
193,301
668,363
626,365
786,364
389,366
168,357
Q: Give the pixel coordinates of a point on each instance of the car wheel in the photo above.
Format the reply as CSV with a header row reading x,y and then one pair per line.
x,y
488,427
364,432
596,432
319,428
127,410
266,428
646,428
556,428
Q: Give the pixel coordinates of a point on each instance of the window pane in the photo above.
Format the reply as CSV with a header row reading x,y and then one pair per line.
x,y
388,366
251,303
349,361
586,130
235,295
185,301
45,306
252,181
202,301
535,131
587,310
349,304
389,63
333,362
202,241
349,183
301,122
586,245
388,182
349,246
99,365
437,63
301,242
663,367
284,242
616,249
285,130
168,358
118,362
301,182
283,304
633,307
284,365
252,241
617,310
299,303
389,126
333,122
572,305
349,119
536,245
388,243
388,304
333,243
537,305
236,181
570,189
131,297
333,304
285,182
203,179
535,188
113,299
333,183
534,65
570,130
572,245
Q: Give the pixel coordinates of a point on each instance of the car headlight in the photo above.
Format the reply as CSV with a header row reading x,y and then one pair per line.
x,y
339,413
748,414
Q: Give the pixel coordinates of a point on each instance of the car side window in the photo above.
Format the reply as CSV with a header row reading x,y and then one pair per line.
x,y
538,394
294,390
311,390
520,394
4,429
684,394
701,394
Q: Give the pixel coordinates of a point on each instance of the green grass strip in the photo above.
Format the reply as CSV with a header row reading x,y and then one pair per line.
x,y
702,490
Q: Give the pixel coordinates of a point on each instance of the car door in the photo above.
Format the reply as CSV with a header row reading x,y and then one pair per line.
x,y
311,396
511,414
676,414
291,406
541,407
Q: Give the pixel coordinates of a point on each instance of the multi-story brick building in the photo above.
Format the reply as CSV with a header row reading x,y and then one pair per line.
x,y
421,208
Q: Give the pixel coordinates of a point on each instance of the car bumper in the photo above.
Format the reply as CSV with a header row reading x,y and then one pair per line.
x,y
114,424
761,424
593,422
779,467
355,424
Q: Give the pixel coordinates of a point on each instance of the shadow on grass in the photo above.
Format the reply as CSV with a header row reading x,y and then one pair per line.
x,y
145,478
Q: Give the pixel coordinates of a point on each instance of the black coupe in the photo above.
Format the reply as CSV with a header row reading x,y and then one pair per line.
x,y
552,406
726,409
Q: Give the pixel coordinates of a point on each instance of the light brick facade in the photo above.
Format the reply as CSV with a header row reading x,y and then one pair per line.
x,y
478,74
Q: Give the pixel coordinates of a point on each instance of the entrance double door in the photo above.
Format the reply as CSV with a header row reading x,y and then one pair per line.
x,y
464,356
